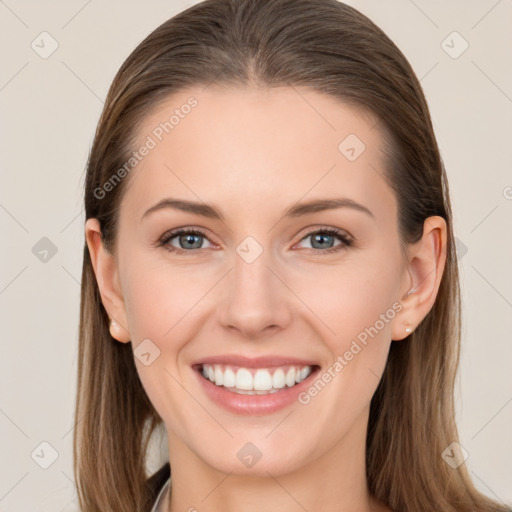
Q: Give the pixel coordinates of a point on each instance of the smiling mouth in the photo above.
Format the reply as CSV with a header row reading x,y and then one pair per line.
x,y
255,381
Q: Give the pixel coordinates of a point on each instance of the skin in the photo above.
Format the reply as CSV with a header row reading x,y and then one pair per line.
x,y
253,152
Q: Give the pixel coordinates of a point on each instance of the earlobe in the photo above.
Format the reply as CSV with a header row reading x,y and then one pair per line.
x,y
402,328
119,333
107,277
426,265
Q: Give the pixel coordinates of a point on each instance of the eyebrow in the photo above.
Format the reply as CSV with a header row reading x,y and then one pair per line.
x,y
296,210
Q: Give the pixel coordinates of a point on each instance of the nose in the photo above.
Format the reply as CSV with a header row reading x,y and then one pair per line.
x,y
255,299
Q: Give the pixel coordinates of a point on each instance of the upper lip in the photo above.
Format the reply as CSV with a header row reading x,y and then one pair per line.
x,y
254,362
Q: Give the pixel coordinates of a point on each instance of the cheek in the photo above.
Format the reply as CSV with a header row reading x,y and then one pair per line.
x,y
351,296
159,304
358,304
160,296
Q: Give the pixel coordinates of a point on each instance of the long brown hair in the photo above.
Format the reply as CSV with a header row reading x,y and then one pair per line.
x,y
331,48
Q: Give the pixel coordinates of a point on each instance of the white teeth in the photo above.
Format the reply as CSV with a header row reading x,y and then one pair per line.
x,y
259,381
262,380
219,376
304,372
244,379
278,380
229,378
290,377
253,392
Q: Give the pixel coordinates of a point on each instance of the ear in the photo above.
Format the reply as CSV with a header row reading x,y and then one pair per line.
x,y
107,277
425,266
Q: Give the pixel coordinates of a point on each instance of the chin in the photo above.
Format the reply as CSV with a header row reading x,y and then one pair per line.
x,y
258,458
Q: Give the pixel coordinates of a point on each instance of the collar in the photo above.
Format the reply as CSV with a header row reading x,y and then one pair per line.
x,y
157,507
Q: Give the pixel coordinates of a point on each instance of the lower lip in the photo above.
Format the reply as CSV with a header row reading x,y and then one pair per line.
x,y
256,405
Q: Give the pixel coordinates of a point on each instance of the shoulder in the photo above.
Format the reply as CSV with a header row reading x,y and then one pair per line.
x,y
157,480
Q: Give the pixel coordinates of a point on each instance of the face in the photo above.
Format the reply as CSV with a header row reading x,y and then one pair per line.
x,y
254,294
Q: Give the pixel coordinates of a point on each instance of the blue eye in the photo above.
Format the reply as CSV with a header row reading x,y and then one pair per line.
x,y
191,240
324,237
187,239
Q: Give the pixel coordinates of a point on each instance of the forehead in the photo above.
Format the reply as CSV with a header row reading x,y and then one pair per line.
x,y
249,148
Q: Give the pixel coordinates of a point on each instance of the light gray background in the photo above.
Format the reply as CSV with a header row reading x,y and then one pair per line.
x,y
49,110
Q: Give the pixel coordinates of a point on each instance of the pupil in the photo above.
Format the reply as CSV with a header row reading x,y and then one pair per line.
x,y
321,238
190,239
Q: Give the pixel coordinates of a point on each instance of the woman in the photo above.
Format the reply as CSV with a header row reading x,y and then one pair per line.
x,y
288,376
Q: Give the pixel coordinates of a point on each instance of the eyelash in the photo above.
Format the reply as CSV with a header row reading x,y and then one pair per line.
x,y
167,237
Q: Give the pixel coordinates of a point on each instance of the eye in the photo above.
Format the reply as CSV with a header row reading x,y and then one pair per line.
x,y
324,238
187,239
191,240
